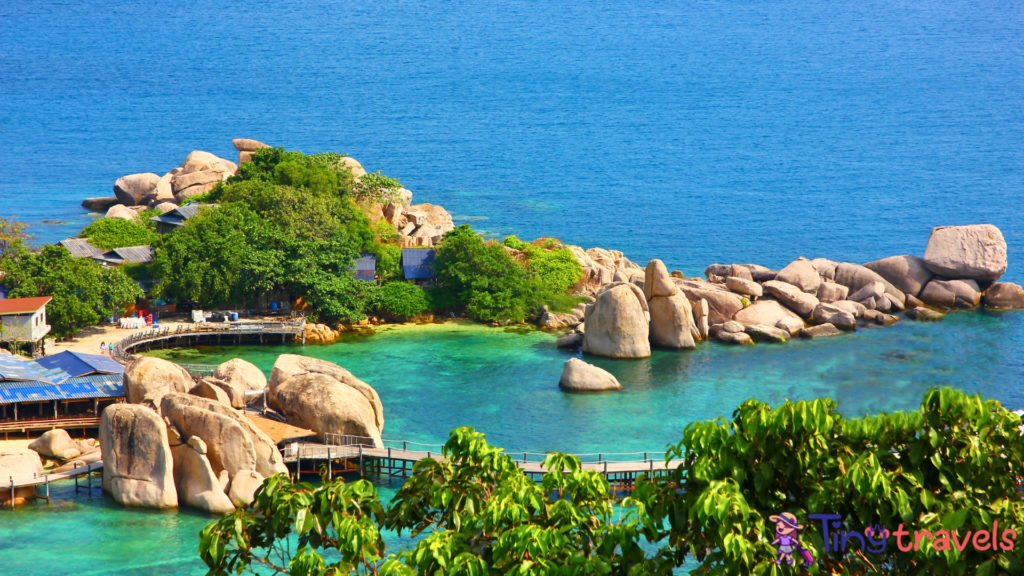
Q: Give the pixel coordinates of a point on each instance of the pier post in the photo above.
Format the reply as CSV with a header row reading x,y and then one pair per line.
x,y
88,475
12,492
47,488
606,469
360,460
330,468
298,464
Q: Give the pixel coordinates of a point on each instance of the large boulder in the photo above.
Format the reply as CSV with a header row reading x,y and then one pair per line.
x,y
744,286
200,161
243,488
196,483
434,216
873,290
219,391
856,309
700,318
766,312
352,164
734,338
56,444
138,468
147,379
578,376
100,204
831,292
792,325
820,331
976,252
923,314
616,325
831,314
194,183
122,212
1004,295
131,188
241,376
792,297
229,446
950,293
325,405
671,321
826,268
268,457
722,304
248,144
657,281
906,272
288,365
802,274
855,277
20,465
763,333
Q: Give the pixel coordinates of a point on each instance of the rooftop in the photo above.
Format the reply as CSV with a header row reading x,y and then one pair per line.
x,y
75,364
80,247
23,305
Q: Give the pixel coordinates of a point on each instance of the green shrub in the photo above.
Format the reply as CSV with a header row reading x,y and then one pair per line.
x,y
515,243
399,299
389,262
479,276
376,188
110,233
385,232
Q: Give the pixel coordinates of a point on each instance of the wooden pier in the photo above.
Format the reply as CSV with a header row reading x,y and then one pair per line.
x,y
45,480
348,454
215,333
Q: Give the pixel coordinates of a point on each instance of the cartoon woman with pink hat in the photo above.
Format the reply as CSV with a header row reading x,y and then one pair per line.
x,y
786,539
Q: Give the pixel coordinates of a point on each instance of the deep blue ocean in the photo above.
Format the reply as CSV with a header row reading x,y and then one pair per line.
x,y
694,132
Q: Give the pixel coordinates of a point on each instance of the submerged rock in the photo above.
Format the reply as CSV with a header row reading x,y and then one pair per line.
x,y
1004,295
820,331
924,314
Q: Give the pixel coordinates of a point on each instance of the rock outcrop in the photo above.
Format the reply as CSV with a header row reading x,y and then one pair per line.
x,y
617,326
231,451
325,398
976,252
578,376
1004,295
952,293
766,312
671,315
19,464
207,389
147,379
243,488
130,189
138,468
829,292
826,268
196,483
792,297
56,444
122,212
743,286
906,272
722,304
831,314
802,274
855,277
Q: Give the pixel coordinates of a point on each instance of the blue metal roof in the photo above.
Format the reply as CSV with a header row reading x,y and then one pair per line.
x,y
92,386
418,263
80,364
366,266
11,369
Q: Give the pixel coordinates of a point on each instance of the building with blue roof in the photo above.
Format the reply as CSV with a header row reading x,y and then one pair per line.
x,y
66,390
418,264
366,267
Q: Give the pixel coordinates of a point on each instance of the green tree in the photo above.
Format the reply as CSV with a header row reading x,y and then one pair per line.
x,y
82,290
480,513
110,233
399,299
480,276
226,254
321,272
12,235
952,465
376,188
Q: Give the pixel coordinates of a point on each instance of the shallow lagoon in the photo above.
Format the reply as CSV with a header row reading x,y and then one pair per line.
x,y
503,381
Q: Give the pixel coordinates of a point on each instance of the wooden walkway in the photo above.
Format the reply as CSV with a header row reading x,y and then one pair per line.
x,y
208,333
396,461
46,479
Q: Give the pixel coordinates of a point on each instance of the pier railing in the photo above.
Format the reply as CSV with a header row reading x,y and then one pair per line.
x,y
122,350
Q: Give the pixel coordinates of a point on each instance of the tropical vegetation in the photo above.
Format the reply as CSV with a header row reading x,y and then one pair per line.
x,y
951,468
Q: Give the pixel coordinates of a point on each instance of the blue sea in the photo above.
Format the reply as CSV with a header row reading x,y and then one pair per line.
x,y
693,132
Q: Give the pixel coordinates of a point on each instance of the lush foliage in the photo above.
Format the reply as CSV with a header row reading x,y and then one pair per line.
x,y
376,188
226,254
110,233
12,235
399,299
484,277
83,291
325,172
951,466
480,514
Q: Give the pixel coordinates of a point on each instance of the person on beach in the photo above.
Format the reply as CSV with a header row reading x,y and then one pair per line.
x,y
103,348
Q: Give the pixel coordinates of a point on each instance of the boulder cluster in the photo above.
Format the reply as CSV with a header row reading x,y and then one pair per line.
x,y
417,224
198,173
184,440
631,308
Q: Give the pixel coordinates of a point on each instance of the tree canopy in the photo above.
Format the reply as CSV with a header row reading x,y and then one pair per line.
x,y
110,233
951,466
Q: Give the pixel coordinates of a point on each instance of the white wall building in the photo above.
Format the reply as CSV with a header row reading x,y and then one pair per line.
x,y
23,320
